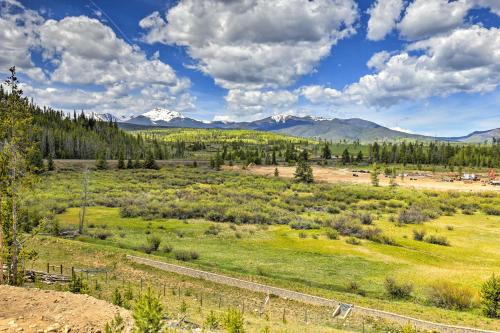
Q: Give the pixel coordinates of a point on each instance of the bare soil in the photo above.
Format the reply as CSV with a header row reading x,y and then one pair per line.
x,y
36,310
420,181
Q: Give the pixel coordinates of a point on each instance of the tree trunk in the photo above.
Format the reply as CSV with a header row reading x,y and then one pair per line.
x,y
15,243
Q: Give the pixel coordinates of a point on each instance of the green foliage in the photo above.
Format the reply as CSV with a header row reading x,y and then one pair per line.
x,y
77,285
148,313
101,163
211,321
184,255
374,175
447,295
117,325
117,298
419,235
490,297
150,162
353,241
153,243
332,234
437,240
396,289
233,321
303,172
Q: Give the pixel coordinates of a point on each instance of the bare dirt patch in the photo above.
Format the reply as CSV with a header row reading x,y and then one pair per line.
x,y
332,175
36,310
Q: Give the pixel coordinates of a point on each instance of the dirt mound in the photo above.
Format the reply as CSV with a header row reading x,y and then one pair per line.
x,y
36,310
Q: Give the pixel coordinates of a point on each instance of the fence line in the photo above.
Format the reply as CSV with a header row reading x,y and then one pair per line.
x,y
301,297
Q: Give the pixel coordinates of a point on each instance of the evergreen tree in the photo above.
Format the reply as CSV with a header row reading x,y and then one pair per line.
x,y
276,172
359,157
326,153
346,158
130,165
137,163
121,161
375,174
303,172
148,314
101,163
150,162
490,297
50,163
273,158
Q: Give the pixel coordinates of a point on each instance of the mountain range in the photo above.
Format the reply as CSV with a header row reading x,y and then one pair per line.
x,y
311,127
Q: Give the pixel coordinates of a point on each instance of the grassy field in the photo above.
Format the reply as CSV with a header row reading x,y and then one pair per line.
x,y
275,231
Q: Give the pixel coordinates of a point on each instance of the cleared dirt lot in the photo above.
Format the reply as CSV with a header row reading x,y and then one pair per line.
x,y
332,175
36,310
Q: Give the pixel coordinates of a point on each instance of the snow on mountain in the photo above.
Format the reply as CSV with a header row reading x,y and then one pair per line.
x,y
281,118
160,114
108,117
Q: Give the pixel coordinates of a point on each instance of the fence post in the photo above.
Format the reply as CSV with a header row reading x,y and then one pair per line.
x,y
284,319
61,269
220,301
141,286
201,299
306,316
164,289
72,271
48,268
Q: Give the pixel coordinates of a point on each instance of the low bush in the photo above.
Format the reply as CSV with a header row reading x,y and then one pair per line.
x,y
419,235
491,210
233,321
332,234
396,289
184,255
302,235
412,215
353,241
153,243
366,219
212,230
304,225
167,248
102,235
347,226
438,240
450,296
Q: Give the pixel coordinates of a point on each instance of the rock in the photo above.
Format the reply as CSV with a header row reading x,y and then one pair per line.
x,y
53,328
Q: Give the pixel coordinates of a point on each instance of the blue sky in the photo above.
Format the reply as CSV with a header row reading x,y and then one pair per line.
x,y
424,66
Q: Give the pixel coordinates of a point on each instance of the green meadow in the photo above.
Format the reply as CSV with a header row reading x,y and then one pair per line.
x,y
335,240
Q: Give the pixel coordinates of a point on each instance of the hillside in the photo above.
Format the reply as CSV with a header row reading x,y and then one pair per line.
x,y
353,129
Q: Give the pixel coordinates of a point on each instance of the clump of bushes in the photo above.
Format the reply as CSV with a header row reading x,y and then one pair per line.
x,y
491,210
354,288
366,219
304,225
347,226
302,235
396,289
438,240
353,241
450,296
102,235
184,255
167,248
412,215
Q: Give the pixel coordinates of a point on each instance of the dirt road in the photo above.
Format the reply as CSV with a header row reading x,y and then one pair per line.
x,y
332,175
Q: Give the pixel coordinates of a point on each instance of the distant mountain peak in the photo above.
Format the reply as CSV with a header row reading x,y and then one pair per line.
x,y
281,118
108,117
161,114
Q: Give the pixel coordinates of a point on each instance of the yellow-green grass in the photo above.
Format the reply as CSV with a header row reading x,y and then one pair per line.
x,y
277,255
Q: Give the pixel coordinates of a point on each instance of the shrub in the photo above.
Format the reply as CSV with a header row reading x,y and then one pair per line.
x,y
302,235
366,219
77,285
412,215
398,290
438,240
211,322
332,234
102,235
167,248
449,296
153,243
185,255
353,241
304,225
353,287
491,210
419,235
117,298
233,321
148,313
117,325
238,235
490,297
346,226
212,230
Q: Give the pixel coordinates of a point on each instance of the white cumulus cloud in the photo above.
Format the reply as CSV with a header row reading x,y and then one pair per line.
x,y
383,17
254,44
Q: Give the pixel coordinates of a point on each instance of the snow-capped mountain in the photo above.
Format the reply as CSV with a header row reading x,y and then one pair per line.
x,y
281,118
160,114
109,117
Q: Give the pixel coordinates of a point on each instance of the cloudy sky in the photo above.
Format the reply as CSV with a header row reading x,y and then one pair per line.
x,y
424,66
